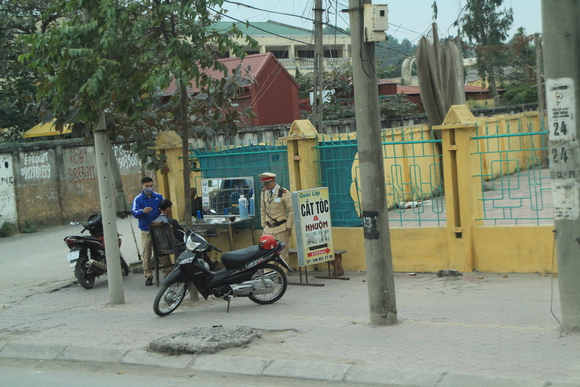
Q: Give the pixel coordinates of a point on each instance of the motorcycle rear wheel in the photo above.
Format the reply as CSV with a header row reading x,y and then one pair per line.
x,y
124,267
170,297
276,274
86,280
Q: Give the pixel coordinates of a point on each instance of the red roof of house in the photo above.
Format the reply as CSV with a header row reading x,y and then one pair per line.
x,y
409,90
412,90
387,82
255,63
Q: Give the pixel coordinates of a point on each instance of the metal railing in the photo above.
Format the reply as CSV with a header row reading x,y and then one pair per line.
x,y
516,187
512,162
412,171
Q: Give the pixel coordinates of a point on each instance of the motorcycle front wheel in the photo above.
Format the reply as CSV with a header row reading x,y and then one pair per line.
x,y
277,275
86,280
169,297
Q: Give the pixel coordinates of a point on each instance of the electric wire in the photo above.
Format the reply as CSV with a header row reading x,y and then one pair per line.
x,y
265,10
310,19
260,29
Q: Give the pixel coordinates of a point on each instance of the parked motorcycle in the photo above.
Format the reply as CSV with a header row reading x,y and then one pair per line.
x,y
248,272
87,253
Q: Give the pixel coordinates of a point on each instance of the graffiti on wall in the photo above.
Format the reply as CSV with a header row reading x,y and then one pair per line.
x,y
7,194
126,159
35,166
81,166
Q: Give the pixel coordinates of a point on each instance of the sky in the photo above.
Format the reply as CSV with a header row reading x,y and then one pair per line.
x,y
408,19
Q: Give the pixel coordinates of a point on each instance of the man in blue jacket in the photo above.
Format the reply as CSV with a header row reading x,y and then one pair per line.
x,y
146,209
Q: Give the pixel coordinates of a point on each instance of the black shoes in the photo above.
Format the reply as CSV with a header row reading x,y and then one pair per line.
x,y
149,282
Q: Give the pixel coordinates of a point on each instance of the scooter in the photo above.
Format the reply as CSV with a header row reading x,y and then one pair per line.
x,y
248,272
87,253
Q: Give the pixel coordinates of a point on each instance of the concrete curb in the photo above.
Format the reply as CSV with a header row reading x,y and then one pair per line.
x,y
99,355
397,377
143,357
293,369
231,364
297,369
472,380
32,351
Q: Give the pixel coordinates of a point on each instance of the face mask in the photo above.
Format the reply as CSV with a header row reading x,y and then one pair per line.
x,y
148,191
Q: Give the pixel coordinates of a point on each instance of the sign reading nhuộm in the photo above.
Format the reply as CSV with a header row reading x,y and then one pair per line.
x,y
313,226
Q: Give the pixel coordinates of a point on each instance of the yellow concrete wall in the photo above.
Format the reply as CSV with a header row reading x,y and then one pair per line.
x,y
510,249
519,249
413,249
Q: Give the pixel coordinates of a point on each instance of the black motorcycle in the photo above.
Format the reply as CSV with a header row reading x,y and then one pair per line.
x,y
248,272
87,253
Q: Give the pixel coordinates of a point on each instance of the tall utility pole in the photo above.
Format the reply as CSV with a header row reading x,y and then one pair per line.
x,y
561,43
457,45
540,89
107,198
377,241
318,67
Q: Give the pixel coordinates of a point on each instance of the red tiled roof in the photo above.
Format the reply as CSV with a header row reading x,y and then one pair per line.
x,y
409,90
387,82
256,62
475,89
412,90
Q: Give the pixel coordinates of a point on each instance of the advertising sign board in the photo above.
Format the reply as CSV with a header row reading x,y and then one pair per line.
x,y
313,226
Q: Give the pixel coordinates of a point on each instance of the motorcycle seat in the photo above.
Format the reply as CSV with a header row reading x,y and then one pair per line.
x,y
88,238
239,257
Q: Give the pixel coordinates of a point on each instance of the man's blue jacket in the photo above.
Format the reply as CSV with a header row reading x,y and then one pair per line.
x,y
142,201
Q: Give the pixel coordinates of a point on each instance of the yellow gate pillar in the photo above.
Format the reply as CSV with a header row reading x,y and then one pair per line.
x,y
462,186
170,178
302,156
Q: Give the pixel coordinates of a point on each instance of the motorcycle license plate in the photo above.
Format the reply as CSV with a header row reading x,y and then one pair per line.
x,y
73,255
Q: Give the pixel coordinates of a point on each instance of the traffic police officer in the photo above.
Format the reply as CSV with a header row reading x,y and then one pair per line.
x,y
277,215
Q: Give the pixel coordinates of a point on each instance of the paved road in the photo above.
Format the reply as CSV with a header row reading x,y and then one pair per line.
x,y
478,329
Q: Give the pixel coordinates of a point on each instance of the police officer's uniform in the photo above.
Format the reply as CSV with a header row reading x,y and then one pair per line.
x,y
277,214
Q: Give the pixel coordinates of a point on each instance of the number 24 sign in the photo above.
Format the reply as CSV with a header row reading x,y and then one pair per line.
x,y
561,109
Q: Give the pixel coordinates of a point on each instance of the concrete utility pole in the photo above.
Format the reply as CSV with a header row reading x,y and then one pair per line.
x,y
185,153
318,65
107,196
540,90
460,70
562,72
377,241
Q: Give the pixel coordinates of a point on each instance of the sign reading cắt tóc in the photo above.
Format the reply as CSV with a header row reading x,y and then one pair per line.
x,y
313,226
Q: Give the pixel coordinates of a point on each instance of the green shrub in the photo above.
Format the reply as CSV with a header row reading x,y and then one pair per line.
x,y
8,229
29,227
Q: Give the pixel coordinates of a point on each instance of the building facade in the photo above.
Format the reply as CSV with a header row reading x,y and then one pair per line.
x,y
293,46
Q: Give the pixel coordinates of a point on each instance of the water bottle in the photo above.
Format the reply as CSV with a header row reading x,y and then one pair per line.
x,y
252,208
243,206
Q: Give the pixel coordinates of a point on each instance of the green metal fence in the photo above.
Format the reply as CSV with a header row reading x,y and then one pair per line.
x,y
412,167
511,152
516,186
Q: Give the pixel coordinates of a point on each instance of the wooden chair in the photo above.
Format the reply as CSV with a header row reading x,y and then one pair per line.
x,y
164,243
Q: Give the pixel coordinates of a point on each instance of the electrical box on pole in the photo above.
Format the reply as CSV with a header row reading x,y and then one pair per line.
x,y
376,22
